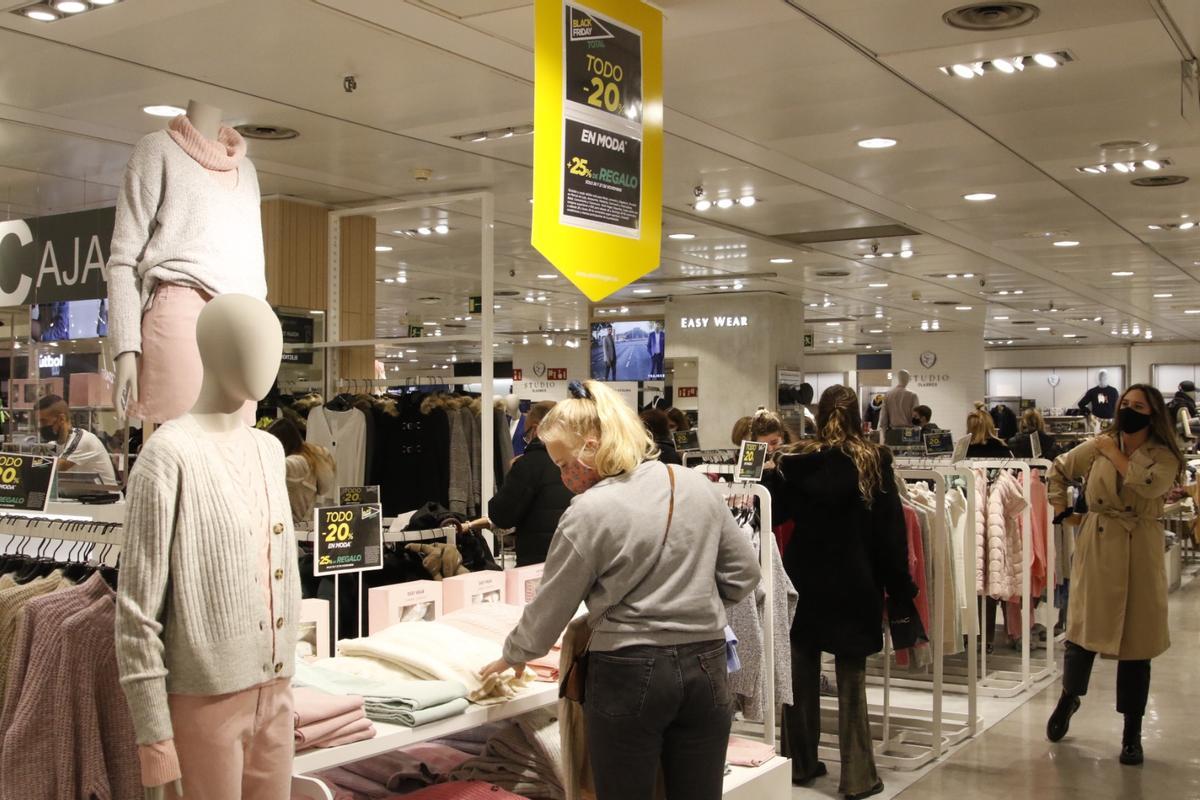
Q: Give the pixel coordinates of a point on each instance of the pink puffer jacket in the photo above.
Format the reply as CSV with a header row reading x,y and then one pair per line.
x,y
1004,553
981,486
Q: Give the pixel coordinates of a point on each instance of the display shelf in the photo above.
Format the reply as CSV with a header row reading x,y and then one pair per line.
x,y
771,780
392,737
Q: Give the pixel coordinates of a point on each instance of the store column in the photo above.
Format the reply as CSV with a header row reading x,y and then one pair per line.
x,y
296,251
357,281
739,342
947,374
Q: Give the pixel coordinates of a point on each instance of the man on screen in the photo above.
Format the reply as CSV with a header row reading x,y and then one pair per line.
x,y
610,355
656,345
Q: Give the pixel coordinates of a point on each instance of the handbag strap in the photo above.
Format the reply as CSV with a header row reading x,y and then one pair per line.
x,y
662,547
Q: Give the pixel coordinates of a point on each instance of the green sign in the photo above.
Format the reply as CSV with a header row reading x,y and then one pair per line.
x,y
415,331
808,340
475,305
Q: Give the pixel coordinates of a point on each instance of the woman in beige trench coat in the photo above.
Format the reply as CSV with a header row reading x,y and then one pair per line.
x,y
1118,600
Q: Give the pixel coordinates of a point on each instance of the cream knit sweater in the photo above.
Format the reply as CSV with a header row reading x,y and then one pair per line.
x,y
176,224
191,617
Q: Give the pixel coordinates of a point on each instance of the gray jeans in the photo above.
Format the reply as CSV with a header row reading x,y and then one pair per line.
x,y
652,707
802,721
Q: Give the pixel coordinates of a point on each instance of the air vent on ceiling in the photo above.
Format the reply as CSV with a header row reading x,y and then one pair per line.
x,y
454,325
831,319
268,132
1123,144
1023,322
1160,180
991,16
506,293
832,273
945,302
847,234
429,300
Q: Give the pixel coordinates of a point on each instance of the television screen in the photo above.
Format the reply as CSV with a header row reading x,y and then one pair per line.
x,y
628,351
69,319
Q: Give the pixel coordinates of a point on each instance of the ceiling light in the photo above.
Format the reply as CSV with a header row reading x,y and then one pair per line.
x,y
389,280
1151,164
1186,226
906,253
887,255
1045,60
877,143
963,71
1004,66
424,231
70,6
1155,227
1018,291
40,14
1066,243
747,202
962,308
1163,296
1000,319
1121,167
401,279
875,330
703,205
162,110
1043,330
952,276
725,202
781,261
547,276
441,228
968,274
869,255
683,237
877,285
643,290
1122,273
979,197
1070,335
1192,311
382,248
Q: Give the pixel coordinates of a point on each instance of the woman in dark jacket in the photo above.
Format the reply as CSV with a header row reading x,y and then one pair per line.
x,y
533,496
1033,423
984,441
659,425
850,545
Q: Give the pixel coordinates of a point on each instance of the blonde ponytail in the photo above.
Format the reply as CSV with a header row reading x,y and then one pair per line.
x,y
601,416
980,425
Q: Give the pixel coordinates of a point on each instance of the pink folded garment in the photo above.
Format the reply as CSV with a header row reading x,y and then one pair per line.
x,y
460,790
413,768
314,706
319,733
748,753
359,731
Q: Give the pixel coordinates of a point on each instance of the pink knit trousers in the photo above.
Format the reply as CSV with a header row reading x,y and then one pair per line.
x,y
235,746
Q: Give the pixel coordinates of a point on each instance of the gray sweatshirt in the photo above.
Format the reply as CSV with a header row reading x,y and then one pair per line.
x,y
607,541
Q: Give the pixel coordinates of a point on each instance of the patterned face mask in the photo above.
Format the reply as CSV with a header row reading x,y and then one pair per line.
x,y
579,477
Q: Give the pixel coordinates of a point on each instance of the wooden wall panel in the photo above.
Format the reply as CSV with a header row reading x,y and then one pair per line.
x,y
296,248
358,295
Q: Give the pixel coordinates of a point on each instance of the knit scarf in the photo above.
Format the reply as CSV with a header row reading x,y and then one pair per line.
x,y
223,155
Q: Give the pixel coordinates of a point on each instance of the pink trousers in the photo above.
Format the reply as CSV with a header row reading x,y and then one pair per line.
x,y
169,370
235,746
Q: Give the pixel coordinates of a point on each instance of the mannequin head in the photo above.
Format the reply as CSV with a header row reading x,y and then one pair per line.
x,y
512,406
903,377
240,345
1102,379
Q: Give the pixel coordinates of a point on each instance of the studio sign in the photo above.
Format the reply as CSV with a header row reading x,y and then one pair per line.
x,y
55,258
714,322
930,379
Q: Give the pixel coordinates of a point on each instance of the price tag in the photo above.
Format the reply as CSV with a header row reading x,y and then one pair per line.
x,y
348,539
687,440
25,481
752,460
939,443
358,495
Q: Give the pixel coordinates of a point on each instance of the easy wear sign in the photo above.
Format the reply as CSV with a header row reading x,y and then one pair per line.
x,y
55,258
598,141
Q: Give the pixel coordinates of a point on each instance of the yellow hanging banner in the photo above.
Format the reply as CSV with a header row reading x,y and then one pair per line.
x,y
598,141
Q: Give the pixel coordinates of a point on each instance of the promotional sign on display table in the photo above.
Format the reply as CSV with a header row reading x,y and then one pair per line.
x,y
349,538
752,460
358,495
687,440
598,141
25,481
939,443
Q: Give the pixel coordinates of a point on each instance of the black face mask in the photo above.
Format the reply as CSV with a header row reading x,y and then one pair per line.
x,y
48,433
1130,421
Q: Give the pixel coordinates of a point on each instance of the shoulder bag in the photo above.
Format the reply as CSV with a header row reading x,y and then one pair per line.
x,y
574,680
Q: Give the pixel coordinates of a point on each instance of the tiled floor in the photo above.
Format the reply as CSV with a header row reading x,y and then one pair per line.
x,y
1013,761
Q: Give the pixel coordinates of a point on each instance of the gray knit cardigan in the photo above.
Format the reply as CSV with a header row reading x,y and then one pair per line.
x,y
191,616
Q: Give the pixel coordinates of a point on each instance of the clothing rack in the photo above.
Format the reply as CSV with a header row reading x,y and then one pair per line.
x,y
62,527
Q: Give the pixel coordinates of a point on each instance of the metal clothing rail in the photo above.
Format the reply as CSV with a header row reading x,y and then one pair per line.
x,y
61,527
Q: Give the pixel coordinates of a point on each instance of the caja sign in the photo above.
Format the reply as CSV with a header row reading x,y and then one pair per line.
x,y
55,258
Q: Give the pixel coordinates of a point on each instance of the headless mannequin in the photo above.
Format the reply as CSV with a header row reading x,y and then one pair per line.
x,y
1101,400
241,344
207,121
898,404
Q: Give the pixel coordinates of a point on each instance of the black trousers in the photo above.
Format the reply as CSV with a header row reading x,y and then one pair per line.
x,y
652,707
802,722
1133,679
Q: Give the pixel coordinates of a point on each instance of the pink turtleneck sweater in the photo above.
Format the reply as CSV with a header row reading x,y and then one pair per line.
x,y
220,158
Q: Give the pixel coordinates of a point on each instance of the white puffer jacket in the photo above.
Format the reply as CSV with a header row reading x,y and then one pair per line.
x,y
981,486
1004,551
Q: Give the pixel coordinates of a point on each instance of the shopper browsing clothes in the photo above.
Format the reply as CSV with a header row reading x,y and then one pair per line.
x,y
849,546
656,555
1118,602
679,420
533,497
985,443
311,470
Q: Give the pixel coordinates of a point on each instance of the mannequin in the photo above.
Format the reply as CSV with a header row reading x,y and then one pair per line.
x,y
179,240
1101,400
898,404
209,528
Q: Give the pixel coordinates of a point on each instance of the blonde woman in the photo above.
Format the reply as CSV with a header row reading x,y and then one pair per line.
x,y
656,555
984,441
1033,424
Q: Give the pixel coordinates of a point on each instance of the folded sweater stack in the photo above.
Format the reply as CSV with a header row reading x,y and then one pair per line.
x,y
329,720
384,696
494,621
524,757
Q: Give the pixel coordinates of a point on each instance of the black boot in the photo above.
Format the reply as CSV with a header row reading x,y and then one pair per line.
x,y
1060,720
1131,741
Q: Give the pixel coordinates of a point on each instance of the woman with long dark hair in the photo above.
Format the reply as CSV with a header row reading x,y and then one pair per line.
x,y
1118,601
849,546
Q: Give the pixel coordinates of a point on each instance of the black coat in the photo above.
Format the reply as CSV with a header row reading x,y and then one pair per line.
x,y
992,448
532,500
667,453
843,554
1022,448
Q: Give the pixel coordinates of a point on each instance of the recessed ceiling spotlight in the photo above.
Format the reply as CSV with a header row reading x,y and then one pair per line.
x,y
642,290
868,255
876,330
1043,330
725,202
906,253
425,231
877,285
963,71
1067,243
163,111
70,6
1000,319
39,13
1006,66
781,261
1192,311
962,308
682,237
887,255
748,201
703,205
1122,273
441,228
382,248
1045,60
979,197
1125,167
877,143
547,276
